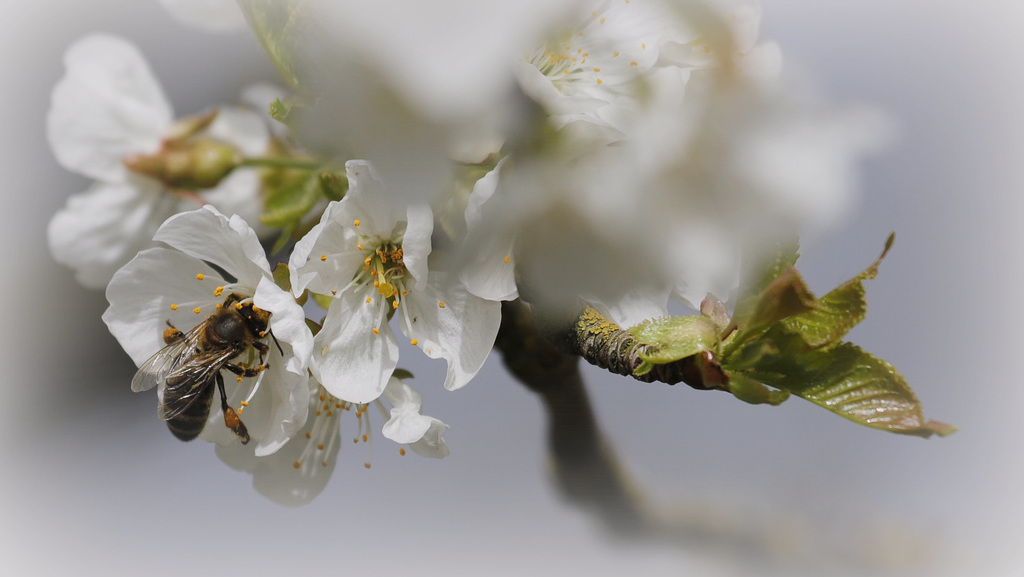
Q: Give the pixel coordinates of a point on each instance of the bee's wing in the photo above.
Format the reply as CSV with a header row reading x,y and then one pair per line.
x,y
186,383
157,367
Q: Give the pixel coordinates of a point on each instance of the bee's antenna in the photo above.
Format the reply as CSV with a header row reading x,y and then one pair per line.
x,y
275,342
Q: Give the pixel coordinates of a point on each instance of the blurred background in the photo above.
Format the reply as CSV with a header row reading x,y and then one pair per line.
x,y
93,484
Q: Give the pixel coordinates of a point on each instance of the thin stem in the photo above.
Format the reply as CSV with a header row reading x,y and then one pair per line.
x,y
281,162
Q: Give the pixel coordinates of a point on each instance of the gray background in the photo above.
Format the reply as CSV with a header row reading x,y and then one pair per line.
x,y
92,483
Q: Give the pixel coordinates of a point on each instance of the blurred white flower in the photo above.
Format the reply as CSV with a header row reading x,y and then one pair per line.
x,y
298,472
711,164
406,85
106,110
180,285
371,256
209,15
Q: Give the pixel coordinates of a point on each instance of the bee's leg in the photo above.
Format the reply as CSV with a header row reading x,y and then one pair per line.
x,y
262,349
232,299
246,371
172,335
231,419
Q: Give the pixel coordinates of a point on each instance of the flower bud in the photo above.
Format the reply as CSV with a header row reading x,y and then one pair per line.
x,y
190,165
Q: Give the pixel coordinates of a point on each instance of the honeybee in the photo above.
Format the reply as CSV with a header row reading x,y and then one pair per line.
x,y
185,370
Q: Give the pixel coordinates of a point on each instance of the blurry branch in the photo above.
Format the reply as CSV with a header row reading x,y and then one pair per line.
x,y
589,474
585,468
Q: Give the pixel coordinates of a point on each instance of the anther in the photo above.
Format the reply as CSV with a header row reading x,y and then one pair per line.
x,y
369,300
218,291
323,258
356,222
599,81
197,310
320,447
633,63
441,304
296,464
367,465
414,342
174,307
245,403
401,451
309,435
394,304
376,331
615,54
507,259
200,276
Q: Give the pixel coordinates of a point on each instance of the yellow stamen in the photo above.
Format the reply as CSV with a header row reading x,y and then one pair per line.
x,y
414,342
296,464
376,331
200,276
197,310
441,304
323,258
218,291
356,222
174,307
508,259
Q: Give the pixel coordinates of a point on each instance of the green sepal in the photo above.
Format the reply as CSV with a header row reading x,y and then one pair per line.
x,y
323,301
753,392
285,206
401,374
838,311
282,277
333,184
279,110
674,338
313,326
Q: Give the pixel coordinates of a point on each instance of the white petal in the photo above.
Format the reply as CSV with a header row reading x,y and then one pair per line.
x,y
416,242
239,193
228,243
241,128
208,15
462,331
327,257
432,444
101,229
406,424
275,475
287,396
108,105
350,361
287,322
142,293
490,268
483,190
369,201
632,307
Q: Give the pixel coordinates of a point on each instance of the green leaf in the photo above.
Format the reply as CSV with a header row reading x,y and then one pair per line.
x,y
674,338
324,301
838,311
856,385
286,206
782,258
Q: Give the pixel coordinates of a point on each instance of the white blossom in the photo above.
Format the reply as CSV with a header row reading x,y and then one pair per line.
x,y
180,285
208,15
300,470
371,256
109,108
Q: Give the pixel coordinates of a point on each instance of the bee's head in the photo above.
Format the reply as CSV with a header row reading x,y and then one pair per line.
x,y
259,319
